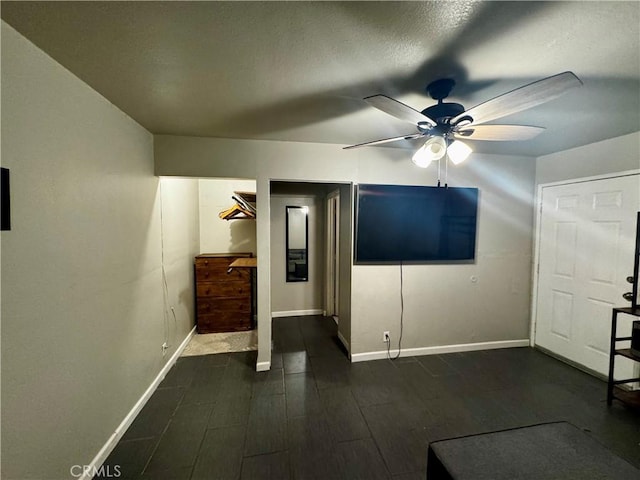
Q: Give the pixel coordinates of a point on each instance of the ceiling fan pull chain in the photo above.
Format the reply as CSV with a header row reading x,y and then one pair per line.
x,y
446,172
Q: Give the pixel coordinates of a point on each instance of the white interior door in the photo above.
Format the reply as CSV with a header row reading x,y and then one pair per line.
x,y
586,244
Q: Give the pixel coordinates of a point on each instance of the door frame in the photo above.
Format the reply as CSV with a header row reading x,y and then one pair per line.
x,y
536,238
332,267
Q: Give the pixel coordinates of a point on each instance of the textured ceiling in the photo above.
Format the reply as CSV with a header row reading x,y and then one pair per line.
x,y
297,71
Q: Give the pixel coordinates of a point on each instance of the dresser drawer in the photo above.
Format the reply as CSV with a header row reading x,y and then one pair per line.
x,y
211,273
218,262
224,322
210,305
224,289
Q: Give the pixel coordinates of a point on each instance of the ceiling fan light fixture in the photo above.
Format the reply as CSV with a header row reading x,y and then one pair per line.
x,y
433,149
436,147
421,158
458,152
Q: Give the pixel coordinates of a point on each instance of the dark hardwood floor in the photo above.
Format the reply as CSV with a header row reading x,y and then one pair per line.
x,y
314,415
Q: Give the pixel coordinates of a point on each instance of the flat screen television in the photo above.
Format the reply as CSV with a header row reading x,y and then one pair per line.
x,y
398,223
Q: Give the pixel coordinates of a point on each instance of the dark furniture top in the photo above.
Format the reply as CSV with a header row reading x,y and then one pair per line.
x,y
548,451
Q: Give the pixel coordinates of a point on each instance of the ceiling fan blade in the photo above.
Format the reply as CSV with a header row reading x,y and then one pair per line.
x,y
498,133
386,140
521,98
399,110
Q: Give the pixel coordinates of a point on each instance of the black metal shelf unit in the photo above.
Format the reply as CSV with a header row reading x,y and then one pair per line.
x,y
631,397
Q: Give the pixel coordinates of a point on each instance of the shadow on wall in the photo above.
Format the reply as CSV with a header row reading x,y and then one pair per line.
x,y
242,236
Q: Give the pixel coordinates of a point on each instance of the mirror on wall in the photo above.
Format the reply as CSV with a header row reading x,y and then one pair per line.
x,y
297,244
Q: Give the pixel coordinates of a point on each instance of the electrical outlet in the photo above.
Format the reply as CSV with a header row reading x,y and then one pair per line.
x,y
386,337
165,347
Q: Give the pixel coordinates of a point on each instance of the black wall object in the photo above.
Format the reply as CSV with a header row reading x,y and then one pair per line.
x,y
5,200
396,223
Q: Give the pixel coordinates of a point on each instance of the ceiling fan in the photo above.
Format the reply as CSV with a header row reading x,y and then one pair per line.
x,y
446,123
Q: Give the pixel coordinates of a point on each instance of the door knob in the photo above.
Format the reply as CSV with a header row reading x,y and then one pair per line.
x,y
628,296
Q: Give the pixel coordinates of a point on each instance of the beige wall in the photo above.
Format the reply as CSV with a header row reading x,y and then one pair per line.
x,y
443,305
180,243
450,304
295,298
83,310
608,156
223,236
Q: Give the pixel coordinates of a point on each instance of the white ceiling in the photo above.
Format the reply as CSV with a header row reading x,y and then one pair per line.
x,y
297,71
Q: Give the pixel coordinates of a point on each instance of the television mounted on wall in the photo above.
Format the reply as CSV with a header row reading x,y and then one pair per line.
x,y
403,223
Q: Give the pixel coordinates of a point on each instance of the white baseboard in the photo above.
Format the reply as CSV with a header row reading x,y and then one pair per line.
x,y
414,352
344,342
263,366
297,313
133,413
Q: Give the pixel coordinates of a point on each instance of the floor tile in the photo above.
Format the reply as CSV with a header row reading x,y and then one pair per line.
x,y
266,430
344,416
311,448
182,373
129,458
268,383
301,395
178,446
230,411
177,473
436,365
296,362
402,450
359,459
220,455
272,466
410,476
202,394
208,375
155,415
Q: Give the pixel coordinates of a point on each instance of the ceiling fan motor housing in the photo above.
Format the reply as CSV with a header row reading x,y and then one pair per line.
x,y
441,88
442,112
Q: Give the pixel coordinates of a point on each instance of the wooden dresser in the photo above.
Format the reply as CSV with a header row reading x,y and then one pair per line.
x,y
223,300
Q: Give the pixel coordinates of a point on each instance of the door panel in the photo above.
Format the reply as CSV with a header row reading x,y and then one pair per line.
x,y
586,242
600,249
562,314
597,332
565,249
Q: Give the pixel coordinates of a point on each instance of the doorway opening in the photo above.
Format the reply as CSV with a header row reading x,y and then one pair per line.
x,y
326,289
